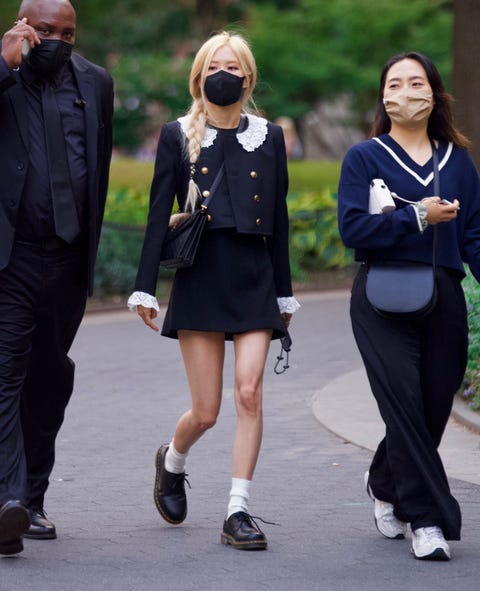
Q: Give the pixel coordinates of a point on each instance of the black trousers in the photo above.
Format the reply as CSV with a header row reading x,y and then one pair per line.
x,y
414,368
42,301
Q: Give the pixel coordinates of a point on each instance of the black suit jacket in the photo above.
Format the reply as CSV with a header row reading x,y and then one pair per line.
x,y
257,181
96,89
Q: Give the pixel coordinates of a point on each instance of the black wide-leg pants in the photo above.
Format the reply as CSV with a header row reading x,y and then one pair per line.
x,y
42,301
414,368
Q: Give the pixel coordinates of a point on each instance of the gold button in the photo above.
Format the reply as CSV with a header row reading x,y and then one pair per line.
x,y
209,217
253,174
206,194
204,170
256,198
258,221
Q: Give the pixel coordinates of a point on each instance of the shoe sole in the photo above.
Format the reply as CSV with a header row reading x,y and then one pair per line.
x,y
49,536
14,523
158,466
438,554
229,541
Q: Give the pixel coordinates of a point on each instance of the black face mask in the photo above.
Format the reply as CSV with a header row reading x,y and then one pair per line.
x,y
48,58
223,88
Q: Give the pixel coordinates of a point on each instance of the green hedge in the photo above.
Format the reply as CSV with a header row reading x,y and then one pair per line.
x,y
471,387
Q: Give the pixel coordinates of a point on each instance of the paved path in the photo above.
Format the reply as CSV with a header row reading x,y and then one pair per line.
x,y
131,388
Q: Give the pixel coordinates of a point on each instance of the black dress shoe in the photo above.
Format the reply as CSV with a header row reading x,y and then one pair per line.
x,y
169,493
41,528
14,522
11,547
241,532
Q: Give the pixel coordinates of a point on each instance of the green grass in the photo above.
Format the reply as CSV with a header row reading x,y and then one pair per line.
x,y
132,174
319,177
304,175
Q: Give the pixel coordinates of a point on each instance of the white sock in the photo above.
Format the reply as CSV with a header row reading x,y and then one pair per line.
x,y
239,496
174,460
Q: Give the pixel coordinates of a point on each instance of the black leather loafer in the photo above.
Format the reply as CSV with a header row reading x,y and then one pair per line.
x,y
169,493
41,528
241,532
14,522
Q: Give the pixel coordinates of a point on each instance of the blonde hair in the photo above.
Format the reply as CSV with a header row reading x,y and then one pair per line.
x,y
198,111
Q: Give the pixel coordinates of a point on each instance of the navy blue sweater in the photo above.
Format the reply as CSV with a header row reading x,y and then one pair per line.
x,y
396,235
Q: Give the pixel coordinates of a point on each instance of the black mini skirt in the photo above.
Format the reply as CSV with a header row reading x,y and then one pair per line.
x,y
229,288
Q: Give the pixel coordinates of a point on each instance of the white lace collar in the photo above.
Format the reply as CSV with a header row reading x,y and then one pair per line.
x,y
250,139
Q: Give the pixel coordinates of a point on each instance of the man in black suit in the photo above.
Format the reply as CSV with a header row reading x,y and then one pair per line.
x,y
55,148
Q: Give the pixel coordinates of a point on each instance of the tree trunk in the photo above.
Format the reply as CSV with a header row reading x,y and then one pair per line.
x,y
208,15
466,73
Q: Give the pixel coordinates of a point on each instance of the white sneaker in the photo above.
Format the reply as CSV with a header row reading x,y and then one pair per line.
x,y
386,522
428,543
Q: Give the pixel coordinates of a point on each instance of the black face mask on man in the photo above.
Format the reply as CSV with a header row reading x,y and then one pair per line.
x,y
223,88
48,58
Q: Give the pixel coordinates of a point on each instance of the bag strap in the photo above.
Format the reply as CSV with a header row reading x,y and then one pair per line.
x,y
214,187
436,191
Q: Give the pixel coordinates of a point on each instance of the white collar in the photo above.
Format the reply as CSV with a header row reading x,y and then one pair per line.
x,y
250,139
428,179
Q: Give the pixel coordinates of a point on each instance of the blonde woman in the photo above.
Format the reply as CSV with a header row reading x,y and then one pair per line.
x,y
239,287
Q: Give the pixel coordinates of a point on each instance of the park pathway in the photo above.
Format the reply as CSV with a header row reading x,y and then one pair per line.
x,y
130,389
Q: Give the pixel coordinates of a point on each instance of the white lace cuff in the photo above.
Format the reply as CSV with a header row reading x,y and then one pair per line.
x,y
140,298
289,305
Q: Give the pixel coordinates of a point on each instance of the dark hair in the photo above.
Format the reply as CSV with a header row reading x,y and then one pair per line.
x,y
440,123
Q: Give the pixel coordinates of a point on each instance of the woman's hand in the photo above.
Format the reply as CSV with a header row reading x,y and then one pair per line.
x,y
438,212
147,315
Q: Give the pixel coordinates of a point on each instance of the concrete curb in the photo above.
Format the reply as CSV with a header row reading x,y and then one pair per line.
x,y
346,407
466,417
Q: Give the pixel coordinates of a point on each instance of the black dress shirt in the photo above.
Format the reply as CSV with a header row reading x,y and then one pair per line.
x,y
221,209
35,217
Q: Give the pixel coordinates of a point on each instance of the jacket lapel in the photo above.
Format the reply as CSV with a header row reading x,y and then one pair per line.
x,y
86,88
19,106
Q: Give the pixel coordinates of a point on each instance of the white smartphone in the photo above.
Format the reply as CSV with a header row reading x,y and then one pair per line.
x,y
26,48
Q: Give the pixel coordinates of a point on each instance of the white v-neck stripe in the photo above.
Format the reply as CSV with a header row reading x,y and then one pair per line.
x,y
429,178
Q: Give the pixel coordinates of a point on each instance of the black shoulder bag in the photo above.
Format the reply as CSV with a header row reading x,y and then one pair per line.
x,y
184,232
401,289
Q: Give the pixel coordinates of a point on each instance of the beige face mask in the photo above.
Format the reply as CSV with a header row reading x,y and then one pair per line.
x,y
408,107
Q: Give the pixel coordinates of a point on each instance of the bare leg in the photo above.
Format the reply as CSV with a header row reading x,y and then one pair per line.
x,y
203,355
251,351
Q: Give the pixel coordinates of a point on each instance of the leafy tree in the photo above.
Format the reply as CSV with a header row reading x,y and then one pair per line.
x,y
145,102
466,75
306,49
113,26
8,13
321,48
